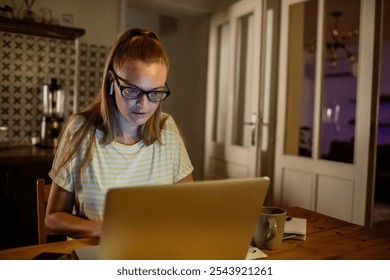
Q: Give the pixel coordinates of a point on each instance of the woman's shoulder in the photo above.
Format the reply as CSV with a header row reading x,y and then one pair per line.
x,y
170,128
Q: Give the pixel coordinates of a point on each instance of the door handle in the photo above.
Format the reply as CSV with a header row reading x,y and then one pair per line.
x,y
253,124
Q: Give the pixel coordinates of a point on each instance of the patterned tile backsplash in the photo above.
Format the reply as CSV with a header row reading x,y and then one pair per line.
x,y
27,63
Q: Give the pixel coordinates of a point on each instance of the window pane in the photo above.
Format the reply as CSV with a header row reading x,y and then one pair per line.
x,y
242,115
384,104
219,117
301,79
340,82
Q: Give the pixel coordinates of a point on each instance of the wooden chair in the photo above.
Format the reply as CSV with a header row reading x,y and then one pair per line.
x,y
43,191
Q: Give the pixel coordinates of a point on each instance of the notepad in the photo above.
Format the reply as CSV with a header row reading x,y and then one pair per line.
x,y
295,228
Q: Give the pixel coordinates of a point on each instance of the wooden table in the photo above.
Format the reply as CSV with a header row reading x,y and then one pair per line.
x,y
30,252
327,238
330,238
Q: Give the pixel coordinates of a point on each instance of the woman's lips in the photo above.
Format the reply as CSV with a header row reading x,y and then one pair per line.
x,y
139,113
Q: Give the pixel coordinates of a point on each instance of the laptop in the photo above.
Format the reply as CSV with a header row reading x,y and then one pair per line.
x,y
197,220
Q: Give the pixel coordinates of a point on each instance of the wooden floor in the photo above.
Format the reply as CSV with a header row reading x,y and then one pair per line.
x,y
382,217
383,226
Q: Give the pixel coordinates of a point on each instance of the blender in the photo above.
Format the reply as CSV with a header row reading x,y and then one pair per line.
x,y
53,113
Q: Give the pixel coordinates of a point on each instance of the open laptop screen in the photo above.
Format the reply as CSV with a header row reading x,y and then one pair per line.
x,y
199,220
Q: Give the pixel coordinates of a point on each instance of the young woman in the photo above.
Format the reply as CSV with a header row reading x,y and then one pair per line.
x,y
122,139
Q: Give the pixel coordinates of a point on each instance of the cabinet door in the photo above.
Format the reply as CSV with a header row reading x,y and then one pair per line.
x,y
6,206
18,203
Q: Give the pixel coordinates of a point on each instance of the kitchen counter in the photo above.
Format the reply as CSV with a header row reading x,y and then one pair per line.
x,y
17,154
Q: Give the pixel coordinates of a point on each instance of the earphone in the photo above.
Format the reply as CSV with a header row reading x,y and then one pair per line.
x,y
112,89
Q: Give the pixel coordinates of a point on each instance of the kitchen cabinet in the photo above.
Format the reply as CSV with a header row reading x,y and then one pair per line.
x,y
51,31
20,167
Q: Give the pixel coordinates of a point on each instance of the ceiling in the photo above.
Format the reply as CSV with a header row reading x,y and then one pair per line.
x,y
349,8
180,7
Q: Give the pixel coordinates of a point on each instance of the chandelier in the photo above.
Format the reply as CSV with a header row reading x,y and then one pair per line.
x,y
338,41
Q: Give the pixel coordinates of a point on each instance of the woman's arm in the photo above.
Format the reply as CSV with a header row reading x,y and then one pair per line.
x,y
59,217
187,178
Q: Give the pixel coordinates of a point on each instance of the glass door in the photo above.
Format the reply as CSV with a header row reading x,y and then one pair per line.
x,y
231,144
327,90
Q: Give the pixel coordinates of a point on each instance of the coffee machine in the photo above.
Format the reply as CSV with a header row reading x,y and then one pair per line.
x,y
53,113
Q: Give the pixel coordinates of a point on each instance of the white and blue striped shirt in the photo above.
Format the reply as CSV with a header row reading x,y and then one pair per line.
x,y
116,165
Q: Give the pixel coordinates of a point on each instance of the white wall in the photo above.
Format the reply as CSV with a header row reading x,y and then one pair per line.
x,y
187,50
188,76
99,18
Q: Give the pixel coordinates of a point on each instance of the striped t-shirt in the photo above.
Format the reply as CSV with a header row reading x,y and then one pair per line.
x,y
119,165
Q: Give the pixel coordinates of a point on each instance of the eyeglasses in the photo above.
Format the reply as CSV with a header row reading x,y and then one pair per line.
x,y
134,92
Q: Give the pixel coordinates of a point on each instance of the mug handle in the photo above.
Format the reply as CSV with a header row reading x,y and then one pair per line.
x,y
271,229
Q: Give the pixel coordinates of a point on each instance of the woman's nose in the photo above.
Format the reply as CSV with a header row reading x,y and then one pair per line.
x,y
142,101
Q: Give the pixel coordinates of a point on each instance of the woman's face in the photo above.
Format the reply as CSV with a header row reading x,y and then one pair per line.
x,y
146,76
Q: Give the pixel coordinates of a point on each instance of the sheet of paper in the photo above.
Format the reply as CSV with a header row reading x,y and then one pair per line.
x,y
255,253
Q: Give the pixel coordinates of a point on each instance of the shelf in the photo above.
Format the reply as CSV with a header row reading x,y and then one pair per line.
x,y
39,29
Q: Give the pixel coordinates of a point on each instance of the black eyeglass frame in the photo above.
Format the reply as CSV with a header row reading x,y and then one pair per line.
x,y
165,93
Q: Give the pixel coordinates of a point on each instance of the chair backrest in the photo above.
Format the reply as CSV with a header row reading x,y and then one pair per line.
x,y
43,191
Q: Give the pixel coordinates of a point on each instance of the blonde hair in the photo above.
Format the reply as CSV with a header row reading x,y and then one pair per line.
x,y
134,44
